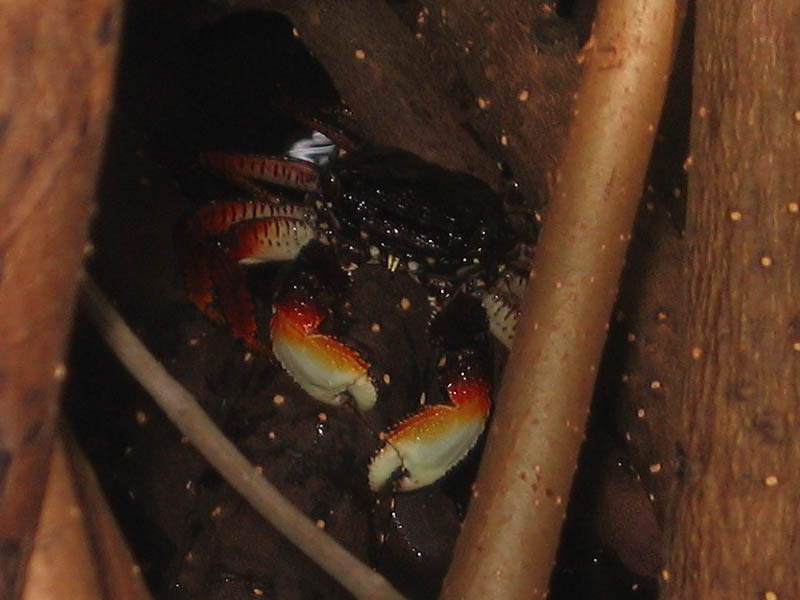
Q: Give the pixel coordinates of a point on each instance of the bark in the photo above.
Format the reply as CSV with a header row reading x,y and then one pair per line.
x,y
421,88
735,519
510,536
62,562
645,341
518,59
79,552
644,379
56,63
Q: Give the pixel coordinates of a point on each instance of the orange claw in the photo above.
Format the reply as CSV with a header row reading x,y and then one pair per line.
x,y
430,442
320,364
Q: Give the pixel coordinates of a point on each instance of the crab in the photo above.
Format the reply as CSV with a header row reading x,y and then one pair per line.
x,y
446,230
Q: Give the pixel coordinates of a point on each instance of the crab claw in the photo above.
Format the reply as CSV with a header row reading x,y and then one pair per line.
x,y
322,365
430,442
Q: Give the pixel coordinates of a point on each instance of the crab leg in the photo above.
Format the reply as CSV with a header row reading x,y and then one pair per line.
x,y
244,169
432,441
267,240
218,238
214,219
501,303
322,365
502,316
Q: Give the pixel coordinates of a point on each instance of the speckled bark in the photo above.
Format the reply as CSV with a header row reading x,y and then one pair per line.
x,y
643,378
56,62
646,337
735,531
519,60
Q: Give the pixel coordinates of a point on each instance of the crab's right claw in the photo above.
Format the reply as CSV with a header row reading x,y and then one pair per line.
x,y
430,442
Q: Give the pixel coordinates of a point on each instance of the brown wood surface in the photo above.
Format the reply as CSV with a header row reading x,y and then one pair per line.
x,y
79,552
56,65
519,60
735,520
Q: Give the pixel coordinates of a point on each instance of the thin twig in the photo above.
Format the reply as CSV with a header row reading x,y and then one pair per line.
x,y
187,415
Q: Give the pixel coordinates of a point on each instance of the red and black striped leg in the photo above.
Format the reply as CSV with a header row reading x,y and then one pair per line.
x,y
218,238
236,303
248,170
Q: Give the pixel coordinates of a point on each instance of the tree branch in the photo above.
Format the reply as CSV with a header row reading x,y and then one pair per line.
x,y
56,67
511,532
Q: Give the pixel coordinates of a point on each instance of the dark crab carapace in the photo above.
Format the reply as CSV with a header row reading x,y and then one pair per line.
x,y
447,230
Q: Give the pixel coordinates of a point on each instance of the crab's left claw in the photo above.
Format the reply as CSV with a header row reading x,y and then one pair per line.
x,y
432,441
323,366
